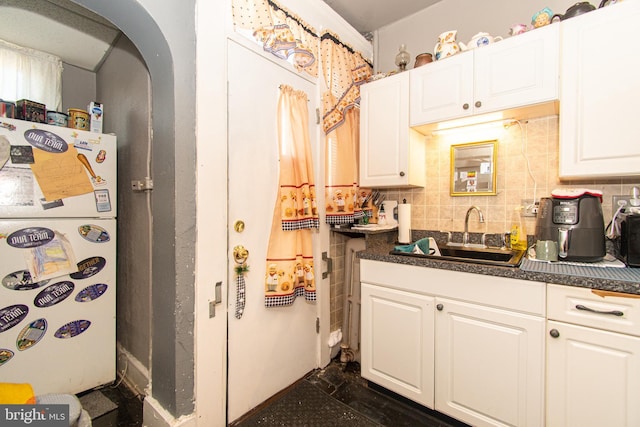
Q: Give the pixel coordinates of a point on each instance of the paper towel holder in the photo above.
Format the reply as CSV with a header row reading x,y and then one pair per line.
x,y
473,169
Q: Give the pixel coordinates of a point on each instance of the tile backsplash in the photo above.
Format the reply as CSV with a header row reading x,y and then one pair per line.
x,y
433,208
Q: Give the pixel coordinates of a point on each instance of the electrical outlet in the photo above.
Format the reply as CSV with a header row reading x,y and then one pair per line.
x,y
618,201
530,208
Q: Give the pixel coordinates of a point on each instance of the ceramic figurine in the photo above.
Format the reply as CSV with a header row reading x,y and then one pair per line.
x,y
518,29
541,18
479,40
447,45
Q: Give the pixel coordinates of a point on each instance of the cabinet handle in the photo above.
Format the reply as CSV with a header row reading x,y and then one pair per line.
x,y
478,104
439,307
465,106
401,173
554,333
612,312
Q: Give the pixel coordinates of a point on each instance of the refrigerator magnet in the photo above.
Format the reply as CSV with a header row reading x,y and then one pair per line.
x,y
53,294
103,203
72,329
31,334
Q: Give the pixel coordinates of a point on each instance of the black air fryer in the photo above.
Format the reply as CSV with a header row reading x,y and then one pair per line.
x,y
574,220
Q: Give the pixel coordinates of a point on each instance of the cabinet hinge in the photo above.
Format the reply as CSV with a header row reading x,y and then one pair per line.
x,y
317,325
317,116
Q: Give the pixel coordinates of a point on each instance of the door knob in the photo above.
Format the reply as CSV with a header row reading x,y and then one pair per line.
x,y
554,333
439,307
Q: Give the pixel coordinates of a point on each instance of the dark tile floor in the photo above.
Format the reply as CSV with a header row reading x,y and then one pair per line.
x,y
113,405
337,395
334,396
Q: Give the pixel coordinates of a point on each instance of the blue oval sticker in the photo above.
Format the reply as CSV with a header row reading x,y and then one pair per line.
x,y
12,315
30,237
46,141
21,281
31,334
91,292
53,294
93,233
5,355
89,267
72,329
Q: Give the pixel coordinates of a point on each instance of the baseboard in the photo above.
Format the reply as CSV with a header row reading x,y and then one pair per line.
x,y
154,415
131,371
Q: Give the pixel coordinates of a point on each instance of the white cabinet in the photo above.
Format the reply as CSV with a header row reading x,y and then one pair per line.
x,y
516,72
600,93
397,341
593,363
489,365
481,356
391,154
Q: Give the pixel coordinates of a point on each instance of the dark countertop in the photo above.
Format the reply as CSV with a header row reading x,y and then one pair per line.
x,y
379,246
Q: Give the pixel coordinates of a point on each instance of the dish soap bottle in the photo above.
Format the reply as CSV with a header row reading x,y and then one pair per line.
x,y
518,232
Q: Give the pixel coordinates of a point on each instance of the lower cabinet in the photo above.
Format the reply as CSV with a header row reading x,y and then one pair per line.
x,y
397,341
470,346
489,365
593,358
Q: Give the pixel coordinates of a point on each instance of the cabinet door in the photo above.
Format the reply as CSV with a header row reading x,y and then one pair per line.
x,y
518,71
599,94
442,90
489,365
384,132
593,377
397,341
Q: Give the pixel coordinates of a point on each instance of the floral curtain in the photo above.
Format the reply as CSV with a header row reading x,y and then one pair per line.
x,y
290,253
343,70
278,31
30,74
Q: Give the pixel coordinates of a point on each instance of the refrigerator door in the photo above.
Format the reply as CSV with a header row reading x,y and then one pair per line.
x,y
56,172
58,332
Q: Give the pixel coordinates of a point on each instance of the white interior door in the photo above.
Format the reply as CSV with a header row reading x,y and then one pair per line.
x,y
268,348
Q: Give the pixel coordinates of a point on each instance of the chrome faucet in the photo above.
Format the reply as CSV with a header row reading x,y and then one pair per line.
x,y
465,236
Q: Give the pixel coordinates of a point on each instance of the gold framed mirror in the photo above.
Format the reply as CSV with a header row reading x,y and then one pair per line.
x,y
473,169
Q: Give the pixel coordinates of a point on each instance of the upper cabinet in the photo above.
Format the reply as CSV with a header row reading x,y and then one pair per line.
x,y
516,72
599,94
391,154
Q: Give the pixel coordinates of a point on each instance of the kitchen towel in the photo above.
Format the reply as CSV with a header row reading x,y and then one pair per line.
x,y
404,223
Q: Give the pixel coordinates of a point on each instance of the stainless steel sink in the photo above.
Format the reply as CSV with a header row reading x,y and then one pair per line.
x,y
476,255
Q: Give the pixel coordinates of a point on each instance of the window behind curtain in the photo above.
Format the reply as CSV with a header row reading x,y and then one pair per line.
x,y
29,74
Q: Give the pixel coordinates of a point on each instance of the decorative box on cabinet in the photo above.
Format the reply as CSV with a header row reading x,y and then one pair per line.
x,y
593,358
514,73
391,154
599,94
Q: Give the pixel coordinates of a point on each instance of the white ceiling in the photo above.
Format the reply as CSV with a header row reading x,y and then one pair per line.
x,y
369,15
83,39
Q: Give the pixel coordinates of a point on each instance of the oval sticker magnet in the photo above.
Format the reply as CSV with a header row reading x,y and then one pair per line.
x,y
31,334
30,237
89,267
45,140
12,315
5,355
72,329
21,281
91,292
93,233
53,294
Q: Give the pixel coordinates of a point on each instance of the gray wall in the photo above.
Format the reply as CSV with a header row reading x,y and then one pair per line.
x,y
164,33
78,87
123,87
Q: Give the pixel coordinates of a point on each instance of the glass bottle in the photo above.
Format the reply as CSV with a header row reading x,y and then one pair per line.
x,y
402,58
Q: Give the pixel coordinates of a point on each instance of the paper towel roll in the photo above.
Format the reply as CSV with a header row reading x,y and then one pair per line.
x,y
404,223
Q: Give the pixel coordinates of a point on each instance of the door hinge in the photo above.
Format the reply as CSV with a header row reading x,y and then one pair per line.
x,y
317,116
317,325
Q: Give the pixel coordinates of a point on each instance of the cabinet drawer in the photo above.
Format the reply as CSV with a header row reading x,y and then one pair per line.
x,y
606,310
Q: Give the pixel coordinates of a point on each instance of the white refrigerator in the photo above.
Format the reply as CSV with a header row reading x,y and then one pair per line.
x,y
57,257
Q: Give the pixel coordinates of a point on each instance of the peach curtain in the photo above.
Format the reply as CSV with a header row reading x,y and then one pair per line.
x,y
343,70
279,31
290,253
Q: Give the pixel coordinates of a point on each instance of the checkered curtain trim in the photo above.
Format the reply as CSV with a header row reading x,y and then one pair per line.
x,y
344,219
240,296
279,301
304,224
